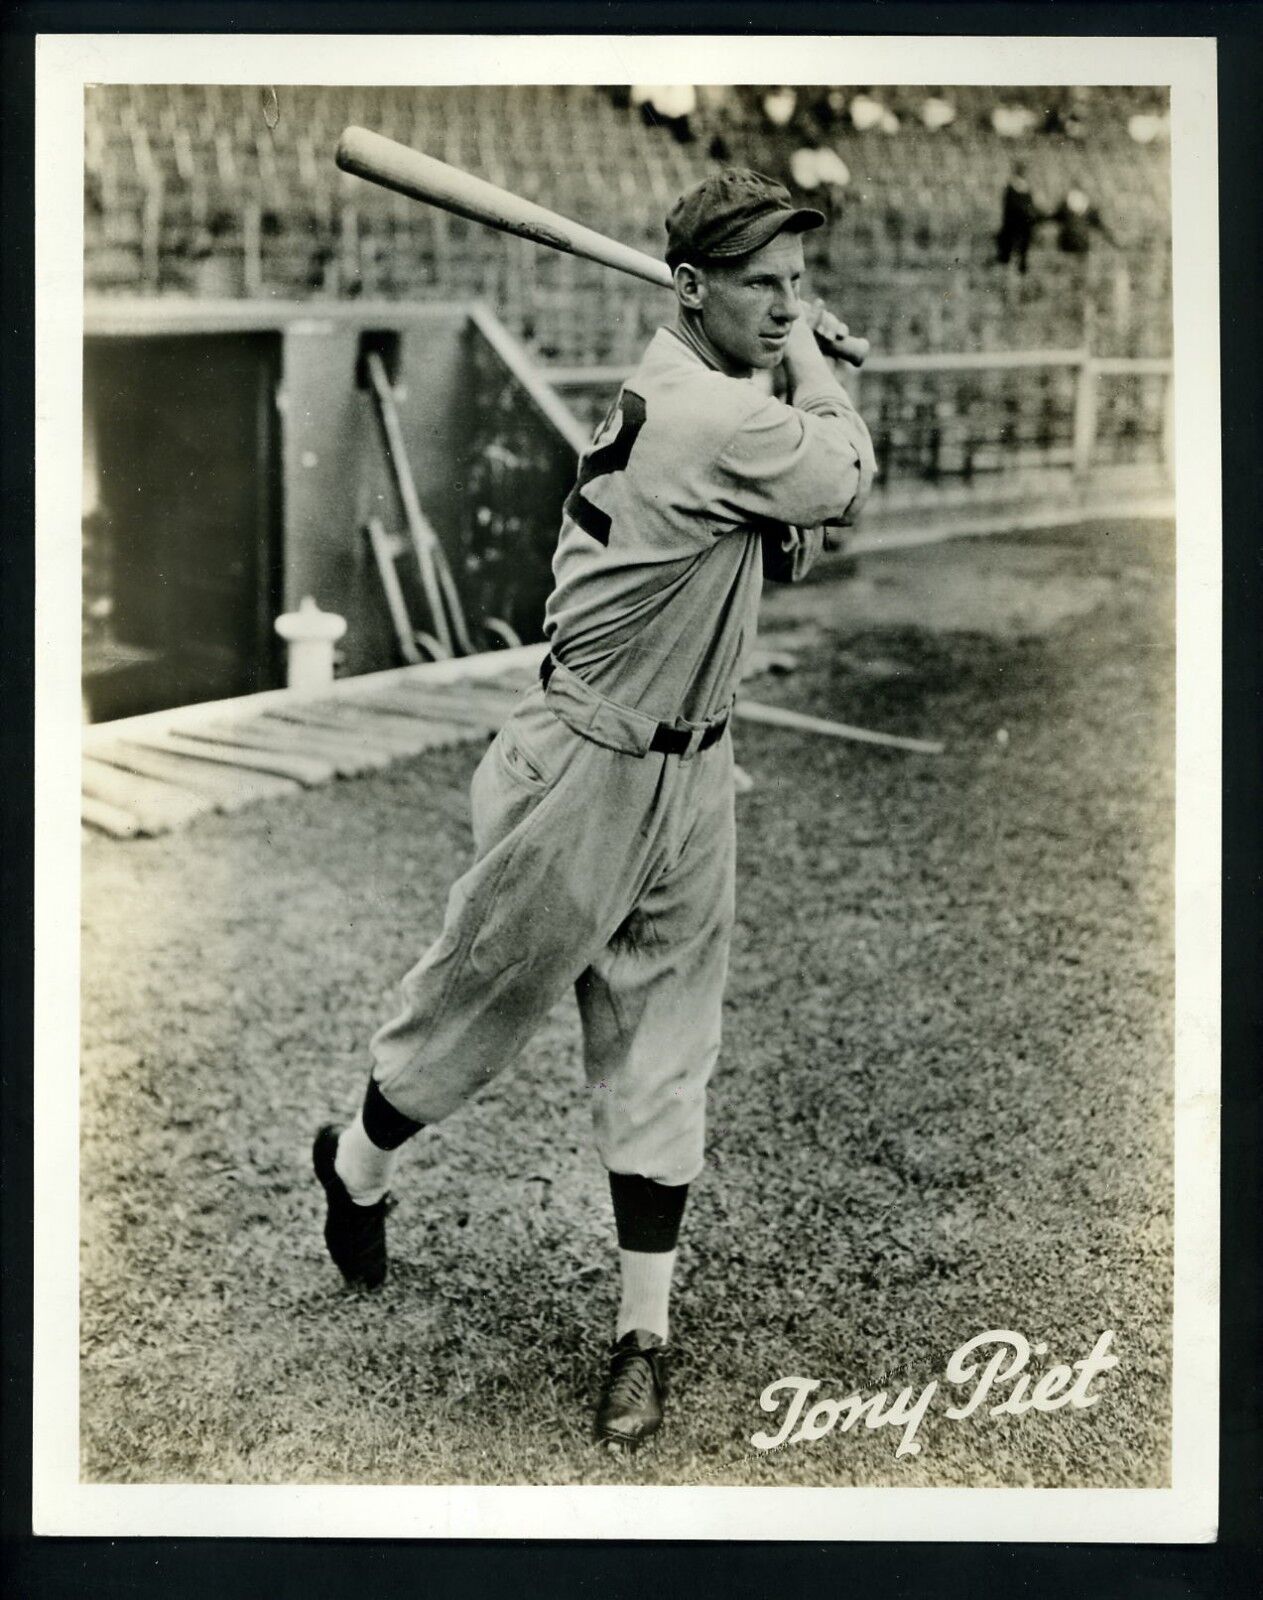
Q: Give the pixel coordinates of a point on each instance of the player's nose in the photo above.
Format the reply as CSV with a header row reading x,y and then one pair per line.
x,y
787,306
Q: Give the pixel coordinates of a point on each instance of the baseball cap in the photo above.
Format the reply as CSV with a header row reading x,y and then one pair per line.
x,y
733,213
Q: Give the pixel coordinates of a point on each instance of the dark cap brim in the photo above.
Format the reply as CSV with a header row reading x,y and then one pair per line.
x,y
762,230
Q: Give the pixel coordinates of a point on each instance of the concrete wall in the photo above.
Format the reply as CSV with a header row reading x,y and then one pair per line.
x,y
335,467
239,456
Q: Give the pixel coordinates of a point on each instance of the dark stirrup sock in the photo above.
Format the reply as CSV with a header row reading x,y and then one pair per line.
x,y
647,1214
386,1127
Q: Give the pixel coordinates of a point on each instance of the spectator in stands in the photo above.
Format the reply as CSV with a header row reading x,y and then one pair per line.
x,y
830,108
779,105
832,172
867,113
677,109
670,105
1074,115
1066,117
818,169
1076,217
820,112
937,112
1012,122
1148,126
322,274
715,100
718,109
1018,216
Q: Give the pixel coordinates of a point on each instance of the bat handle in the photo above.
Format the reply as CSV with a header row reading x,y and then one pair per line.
x,y
852,349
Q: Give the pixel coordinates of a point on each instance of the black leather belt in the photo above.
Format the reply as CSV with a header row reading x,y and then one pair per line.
x,y
667,741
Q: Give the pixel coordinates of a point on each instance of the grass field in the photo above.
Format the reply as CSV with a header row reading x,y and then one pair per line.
x,y
944,1104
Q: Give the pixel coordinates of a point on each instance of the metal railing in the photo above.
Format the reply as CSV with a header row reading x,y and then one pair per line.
x,y
984,415
989,423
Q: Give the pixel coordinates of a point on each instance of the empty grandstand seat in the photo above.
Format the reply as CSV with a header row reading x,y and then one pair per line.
x,y
909,259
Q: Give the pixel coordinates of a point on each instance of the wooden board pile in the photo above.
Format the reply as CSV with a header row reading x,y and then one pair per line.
x,y
152,779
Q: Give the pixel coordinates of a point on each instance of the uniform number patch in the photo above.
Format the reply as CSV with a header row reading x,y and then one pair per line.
x,y
628,415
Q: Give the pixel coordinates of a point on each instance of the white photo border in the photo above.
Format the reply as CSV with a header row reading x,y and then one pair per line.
x,y
62,1504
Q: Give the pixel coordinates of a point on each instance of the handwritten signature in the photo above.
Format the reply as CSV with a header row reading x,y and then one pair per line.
x,y
1057,1387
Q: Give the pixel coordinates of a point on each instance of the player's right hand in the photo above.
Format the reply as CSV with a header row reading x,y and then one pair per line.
x,y
803,352
828,329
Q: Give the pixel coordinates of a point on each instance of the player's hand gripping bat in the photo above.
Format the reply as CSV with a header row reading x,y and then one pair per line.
x,y
394,166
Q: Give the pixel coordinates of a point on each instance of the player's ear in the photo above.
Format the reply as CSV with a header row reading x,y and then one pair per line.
x,y
690,286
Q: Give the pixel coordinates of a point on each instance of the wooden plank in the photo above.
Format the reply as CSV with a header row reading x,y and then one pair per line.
x,y
407,735
448,706
107,818
383,746
515,677
409,706
240,757
432,734
269,772
800,722
229,788
437,674
157,806
326,740
493,689
497,699
371,732
304,768
440,702
247,760
289,745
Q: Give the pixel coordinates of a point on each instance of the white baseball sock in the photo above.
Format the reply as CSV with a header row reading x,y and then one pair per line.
x,y
365,1168
646,1291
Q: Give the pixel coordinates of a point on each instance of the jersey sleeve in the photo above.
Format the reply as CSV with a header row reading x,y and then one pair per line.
x,y
802,464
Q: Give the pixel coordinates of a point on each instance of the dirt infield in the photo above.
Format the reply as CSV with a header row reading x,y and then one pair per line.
x,y
944,1104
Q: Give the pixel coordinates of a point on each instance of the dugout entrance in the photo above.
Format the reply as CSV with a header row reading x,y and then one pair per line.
x,y
181,519
235,463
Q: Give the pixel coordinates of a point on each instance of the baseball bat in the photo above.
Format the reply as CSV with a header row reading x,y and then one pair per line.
x,y
384,161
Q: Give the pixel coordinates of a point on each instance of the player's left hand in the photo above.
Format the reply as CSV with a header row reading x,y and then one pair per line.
x,y
828,329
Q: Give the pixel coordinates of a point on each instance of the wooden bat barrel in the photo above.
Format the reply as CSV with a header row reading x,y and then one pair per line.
x,y
395,166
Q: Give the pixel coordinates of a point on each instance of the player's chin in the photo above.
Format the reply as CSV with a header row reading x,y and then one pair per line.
x,y
769,353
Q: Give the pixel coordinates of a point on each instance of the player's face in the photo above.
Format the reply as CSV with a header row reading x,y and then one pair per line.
x,y
748,308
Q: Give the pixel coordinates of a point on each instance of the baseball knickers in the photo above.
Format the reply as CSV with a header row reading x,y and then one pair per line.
x,y
607,868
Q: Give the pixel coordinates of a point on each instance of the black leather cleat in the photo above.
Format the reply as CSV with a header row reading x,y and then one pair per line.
x,y
632,1396
355,1235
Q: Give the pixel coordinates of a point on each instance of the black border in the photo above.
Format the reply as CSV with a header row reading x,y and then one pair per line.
x,y
135,1567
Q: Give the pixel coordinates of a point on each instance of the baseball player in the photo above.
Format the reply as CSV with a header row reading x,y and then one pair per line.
x,y
603,818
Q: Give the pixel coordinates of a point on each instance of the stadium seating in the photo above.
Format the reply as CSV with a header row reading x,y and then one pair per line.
x,y
220,191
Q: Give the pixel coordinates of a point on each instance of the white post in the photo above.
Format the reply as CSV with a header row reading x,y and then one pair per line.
x,y
310,634
1084,416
